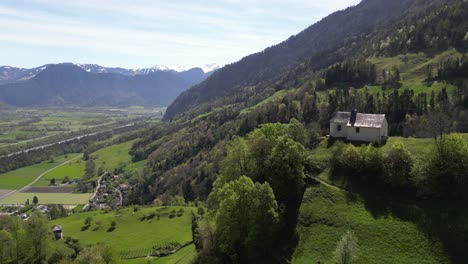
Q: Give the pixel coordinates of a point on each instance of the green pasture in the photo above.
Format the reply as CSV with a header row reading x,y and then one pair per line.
x,y
74,170
132,231
183,256
388,230
16,179
116,156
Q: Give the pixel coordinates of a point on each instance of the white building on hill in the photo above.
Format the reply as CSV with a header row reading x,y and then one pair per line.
x,y
355,126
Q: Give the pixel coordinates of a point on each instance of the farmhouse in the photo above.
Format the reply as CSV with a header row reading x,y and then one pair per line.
x,y
361,127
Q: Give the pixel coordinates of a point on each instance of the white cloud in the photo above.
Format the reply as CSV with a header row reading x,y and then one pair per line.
x,y
180,32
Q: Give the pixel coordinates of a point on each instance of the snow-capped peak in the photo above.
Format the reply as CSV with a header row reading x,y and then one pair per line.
x,y
161,68
211,67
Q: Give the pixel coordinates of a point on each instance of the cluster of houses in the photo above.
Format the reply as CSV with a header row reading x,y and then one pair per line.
x,y
16,211
109,193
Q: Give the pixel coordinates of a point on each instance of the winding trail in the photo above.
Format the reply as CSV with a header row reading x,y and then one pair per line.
x,y
39,177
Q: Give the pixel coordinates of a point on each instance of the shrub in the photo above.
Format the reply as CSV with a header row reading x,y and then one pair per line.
x,y
360,162
443,171
397,165
346,248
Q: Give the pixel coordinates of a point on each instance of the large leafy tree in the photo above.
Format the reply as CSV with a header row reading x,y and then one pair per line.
x,y
36,230
246,218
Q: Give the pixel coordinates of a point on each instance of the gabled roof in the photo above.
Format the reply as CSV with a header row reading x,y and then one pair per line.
x,y
341,117
362,120
57,228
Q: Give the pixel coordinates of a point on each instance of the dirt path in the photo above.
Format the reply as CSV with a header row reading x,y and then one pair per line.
x,y
39,177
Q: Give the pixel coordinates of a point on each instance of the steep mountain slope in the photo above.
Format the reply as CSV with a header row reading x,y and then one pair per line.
x,y
93,85
10,74
184,154
70,85
335,37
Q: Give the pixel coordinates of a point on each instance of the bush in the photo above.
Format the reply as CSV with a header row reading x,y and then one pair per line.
x,y
346,248
444,170
359,162
397,166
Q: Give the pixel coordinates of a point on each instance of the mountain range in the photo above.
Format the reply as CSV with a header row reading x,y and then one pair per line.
x,y
68,84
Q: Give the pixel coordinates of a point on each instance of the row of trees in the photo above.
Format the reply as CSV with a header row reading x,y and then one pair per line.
x,y
354,73
440,172
453,68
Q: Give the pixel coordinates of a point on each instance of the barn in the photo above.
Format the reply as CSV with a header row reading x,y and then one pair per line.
x,y
359,127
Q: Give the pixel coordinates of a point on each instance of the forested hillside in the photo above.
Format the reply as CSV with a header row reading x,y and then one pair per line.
x,y
280,102
338,36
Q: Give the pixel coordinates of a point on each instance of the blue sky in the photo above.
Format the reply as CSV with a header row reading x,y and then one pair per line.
x,y
143,33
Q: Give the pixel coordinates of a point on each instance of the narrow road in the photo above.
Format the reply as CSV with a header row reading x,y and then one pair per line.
x,y
39,177
86,206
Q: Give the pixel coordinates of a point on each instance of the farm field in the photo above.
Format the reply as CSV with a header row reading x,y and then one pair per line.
x,y
133,232
17,179
74,170
183,256
26,124
389,231
52,189
48,198
4,192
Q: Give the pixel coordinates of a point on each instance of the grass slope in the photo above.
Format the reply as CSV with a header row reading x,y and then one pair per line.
x,y
326,214
131,233
183,256
413,65
15,180
116,156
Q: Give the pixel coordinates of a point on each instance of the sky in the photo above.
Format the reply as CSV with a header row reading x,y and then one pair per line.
x,y
143,33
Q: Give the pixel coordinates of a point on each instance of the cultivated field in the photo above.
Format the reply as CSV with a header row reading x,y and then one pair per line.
x,y
135,232
4,192
183,256
48,198
51,189
17,179
22,125
74,170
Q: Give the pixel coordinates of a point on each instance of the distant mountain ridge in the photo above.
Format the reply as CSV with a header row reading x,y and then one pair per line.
x,y
69,84
9,74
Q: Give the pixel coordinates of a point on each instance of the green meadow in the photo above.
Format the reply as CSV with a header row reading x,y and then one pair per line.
x,y
15,180
183,256
74,170
134,231
117,156
388,230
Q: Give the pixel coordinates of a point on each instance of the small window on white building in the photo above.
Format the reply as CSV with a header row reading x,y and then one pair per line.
x,y
358,130
338,128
